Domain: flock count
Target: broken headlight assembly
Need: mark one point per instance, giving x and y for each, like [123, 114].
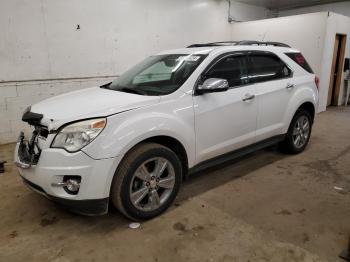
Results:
[75, 136]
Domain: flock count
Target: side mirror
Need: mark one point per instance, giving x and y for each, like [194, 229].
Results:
[212, 85]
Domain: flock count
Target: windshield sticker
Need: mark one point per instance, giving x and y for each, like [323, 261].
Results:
[188, 58]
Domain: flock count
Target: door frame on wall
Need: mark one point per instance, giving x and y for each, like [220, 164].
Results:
[336, 70]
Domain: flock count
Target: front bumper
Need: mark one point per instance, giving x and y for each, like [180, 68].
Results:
[91, 207]
[54, 164]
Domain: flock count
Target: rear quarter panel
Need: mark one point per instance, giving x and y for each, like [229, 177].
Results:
[305, 91]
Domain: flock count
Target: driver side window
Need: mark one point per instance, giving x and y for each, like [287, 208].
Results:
[230, 68]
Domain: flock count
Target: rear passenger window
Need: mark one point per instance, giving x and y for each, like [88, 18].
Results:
[231, 68]
[300, 60]
[266, 68]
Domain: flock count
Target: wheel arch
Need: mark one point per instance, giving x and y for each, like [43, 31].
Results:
[308, 106]
[170, 142]
[173, 144]
[305, 104]
[288, 145]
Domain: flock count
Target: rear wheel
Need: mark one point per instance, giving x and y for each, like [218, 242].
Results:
[299, 132]
[147, 181]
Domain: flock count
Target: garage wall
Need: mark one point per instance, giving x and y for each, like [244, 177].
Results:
[43, 51]
[15, 97]
[336, 24]
[339, 8]
[313, 34]
[241, 12]
[304, 32]
[41, 39]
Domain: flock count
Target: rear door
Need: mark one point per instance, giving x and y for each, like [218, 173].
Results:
[273, 86]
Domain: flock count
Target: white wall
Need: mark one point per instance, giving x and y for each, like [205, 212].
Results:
[43, 54]
[40, 40]
[304, 32]
[241, 12]
[339, 7]
[336, 24]
[16, 96]
[313, 34]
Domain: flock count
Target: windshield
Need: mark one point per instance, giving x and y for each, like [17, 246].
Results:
[157, 75]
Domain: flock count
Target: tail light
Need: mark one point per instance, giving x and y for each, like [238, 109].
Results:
[317, 82]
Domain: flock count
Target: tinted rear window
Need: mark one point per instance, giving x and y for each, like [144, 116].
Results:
[265, 67]
[300, 60]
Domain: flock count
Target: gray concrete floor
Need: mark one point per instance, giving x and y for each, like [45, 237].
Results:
[265, 207]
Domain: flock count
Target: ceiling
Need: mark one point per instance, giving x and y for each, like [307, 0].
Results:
[287, 4]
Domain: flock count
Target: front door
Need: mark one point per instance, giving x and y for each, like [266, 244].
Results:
[225, 121]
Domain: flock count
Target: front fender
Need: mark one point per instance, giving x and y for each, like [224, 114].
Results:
[124, 131]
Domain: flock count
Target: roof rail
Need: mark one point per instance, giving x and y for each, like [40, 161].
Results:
[262, 43]
[223, 43]
[277, 44]
[233, 43]
[226, 43]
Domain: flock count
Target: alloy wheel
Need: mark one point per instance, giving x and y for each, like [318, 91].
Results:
[301, 131]
[152, 184]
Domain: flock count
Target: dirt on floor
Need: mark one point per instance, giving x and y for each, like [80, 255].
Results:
[266, 206]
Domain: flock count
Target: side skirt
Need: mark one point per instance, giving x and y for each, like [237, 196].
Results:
[236, 154]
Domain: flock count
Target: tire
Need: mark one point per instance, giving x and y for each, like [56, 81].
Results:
[146, 182]
[290, 144]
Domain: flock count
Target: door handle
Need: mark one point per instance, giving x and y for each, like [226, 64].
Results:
[289, 86]
[248, 97]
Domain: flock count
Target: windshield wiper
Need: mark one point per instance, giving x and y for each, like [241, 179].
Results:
[106, 86]
[131, 90]
[124, 89]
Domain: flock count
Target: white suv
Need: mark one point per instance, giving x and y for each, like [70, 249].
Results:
[132, 141]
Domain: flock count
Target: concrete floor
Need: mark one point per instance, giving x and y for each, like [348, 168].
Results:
[264, 207]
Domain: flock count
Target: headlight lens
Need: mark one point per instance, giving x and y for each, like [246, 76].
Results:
[77, 135]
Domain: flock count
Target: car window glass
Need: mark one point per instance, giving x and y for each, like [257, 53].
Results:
[231, 68]
[157, 72]
[157, 75]
[300, 60]
[267, 67]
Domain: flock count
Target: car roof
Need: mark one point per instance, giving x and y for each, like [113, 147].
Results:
[205, 50]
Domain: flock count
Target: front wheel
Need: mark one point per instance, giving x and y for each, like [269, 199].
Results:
[147, 181]
[299, 132]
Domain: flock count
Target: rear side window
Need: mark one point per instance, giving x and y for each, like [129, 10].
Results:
[266, 67]
[300, 60]
[231, 68]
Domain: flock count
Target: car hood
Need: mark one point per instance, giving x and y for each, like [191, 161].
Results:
[88, 103]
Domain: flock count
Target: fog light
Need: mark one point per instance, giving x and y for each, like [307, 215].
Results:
[73, 185]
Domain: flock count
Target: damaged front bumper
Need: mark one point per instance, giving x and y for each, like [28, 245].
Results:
[28, 153]
[43, 168]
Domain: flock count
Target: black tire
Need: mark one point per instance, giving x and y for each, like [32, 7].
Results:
[288, 145]
[124, 177]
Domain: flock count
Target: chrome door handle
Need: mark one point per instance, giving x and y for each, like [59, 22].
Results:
[248, 97]
[290, 86]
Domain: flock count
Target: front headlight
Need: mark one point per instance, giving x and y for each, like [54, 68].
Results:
[75, 136]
